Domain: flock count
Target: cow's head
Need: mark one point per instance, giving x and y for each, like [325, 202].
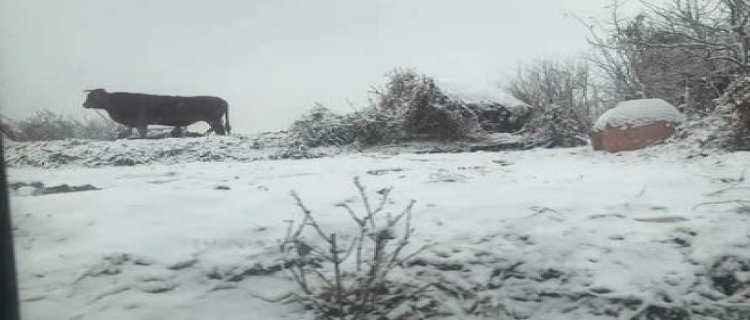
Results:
[97, 98]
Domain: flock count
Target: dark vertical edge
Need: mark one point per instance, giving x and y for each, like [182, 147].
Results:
[9, 308]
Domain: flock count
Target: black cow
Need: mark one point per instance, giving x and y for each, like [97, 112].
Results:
[137, 110]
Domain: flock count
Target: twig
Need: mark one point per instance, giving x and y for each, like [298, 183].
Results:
[282, 297]
[718, 192]
[403, 299]
[539, 210]
[360, 221]
[416, 252]
[328, 290]
[734, 185]
[744, 203]
[308, 218]
[365, 202]
[336, 271]
[642, 192]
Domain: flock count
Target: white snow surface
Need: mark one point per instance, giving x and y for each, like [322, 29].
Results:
[640, 112]
[159, 241]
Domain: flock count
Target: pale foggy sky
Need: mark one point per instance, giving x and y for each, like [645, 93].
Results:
[270, 59]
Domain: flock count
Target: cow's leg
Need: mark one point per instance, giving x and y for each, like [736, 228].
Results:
[125, 133]
[177, 132]
[211, 127]
[142, 130]
[218, 128]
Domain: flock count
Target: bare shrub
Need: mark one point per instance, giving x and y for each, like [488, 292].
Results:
[97, 129]
[350, 276]
[566, 99]
[46, 125]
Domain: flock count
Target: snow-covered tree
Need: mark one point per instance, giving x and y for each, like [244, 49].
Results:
[427, 112]
[682, 51]
[565, 98]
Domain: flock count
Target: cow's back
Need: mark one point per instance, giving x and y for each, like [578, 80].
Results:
[137, 109]
[131, 109]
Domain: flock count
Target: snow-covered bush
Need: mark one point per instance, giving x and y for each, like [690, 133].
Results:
[410, 106]
[556, 126]
[47, 125]
[320, 126]
[495, 117]
[565, 98]
[728, 126]
[350, 276]
[372, 126]
[734, 110]
[426, 111]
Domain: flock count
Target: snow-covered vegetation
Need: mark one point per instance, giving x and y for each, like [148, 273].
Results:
[468, 202]
[47, 125]
[415, 107]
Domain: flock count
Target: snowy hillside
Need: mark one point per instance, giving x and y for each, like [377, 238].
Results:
[539, 234]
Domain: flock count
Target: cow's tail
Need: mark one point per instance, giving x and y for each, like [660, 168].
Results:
[226, 120]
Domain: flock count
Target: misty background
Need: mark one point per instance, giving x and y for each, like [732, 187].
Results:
[271, 60]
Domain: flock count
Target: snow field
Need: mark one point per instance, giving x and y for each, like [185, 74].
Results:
[575, 232]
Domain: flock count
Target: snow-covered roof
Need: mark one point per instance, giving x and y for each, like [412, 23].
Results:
[481, 94]
[640, 112]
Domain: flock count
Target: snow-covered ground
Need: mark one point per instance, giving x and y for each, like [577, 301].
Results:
[538, 234]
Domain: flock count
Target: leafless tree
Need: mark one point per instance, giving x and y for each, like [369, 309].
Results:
[565, 97]
[550, 82]
[719, 27]
[684, 51]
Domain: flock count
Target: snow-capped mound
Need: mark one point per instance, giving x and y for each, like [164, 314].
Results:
[641, 112]
[483, 95]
